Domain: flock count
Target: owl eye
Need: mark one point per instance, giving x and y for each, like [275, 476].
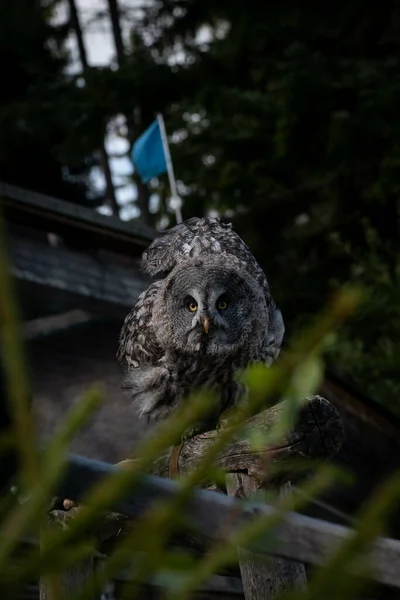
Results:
[222, 304]
[191, 304]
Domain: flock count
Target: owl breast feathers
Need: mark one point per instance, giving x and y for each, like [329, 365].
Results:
[209, 313]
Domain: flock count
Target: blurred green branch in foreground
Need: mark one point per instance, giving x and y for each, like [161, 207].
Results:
[147, 550]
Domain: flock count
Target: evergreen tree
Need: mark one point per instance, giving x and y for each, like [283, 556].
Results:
[39, 105]
[289, 122]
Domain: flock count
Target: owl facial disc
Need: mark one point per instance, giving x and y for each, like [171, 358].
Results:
[209, 309]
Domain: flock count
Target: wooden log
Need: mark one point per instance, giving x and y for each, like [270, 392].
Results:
[318, 434]
[264, 579]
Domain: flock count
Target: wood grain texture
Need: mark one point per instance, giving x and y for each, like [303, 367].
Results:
[69, 583]
[264, 579]
[317, 434]
[217, 516]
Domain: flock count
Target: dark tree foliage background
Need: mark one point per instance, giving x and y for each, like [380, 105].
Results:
[286, 121]
[40, 106]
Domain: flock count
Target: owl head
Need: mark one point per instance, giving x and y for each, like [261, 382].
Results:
[211, 308]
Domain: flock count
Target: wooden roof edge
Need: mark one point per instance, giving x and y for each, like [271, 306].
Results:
[372, 411]
[346, 383]
[74, 213]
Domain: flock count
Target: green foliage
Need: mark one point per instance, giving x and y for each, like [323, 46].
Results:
[369, 345]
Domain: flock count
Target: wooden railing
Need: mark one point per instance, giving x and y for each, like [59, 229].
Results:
[217, 516]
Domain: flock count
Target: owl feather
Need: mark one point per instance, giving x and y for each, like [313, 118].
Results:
[196, 237]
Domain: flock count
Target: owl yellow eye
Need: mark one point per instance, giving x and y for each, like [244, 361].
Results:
[222, 304]
[192, 306]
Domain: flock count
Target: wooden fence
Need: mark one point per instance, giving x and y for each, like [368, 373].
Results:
[298, 539]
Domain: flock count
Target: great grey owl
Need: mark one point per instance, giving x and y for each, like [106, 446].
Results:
[209, 314]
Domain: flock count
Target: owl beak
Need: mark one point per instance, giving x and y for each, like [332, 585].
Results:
[206, 324]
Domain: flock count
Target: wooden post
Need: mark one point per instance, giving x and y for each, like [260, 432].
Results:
[71, 581]
[68, 584]
[263, 580]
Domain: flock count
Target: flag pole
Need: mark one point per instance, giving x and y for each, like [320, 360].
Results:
[176, 201]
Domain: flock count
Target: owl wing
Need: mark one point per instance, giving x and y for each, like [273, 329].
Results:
[197, 237]
[138, 344]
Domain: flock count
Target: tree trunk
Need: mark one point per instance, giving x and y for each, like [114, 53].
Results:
[143, 194]
[104, 161]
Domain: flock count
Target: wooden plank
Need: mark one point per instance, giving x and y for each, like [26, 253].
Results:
[364, 409]
[217, 517]
[52, 324]
[216, 584]
[99, 277]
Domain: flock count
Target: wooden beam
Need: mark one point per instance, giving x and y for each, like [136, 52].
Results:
[102, 277]
[216, 584]
[367, 412]
[49, 325]
[217, 517]
[49, 210]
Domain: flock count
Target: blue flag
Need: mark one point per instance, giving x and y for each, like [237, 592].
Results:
[148, 153]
